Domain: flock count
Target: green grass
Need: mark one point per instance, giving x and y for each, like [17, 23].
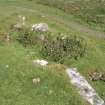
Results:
[16, 86]
[90, 13]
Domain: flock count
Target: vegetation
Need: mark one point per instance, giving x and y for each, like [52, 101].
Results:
[61, 47]
[54, 48]
[91, 11]
[17, 69]
[1, 36]
[27, 37]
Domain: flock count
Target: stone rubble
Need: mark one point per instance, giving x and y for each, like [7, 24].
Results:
[84, 88]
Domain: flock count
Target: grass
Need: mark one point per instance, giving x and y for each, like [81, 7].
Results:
[16, 86]
[90, 13]
[16, 81]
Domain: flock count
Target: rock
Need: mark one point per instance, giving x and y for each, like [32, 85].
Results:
[40, 27]
[35, 81]
[84, 88]
[40, 62]
[20, 23]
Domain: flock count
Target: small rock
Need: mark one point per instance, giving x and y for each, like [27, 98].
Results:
[40, 62]
[35, 81]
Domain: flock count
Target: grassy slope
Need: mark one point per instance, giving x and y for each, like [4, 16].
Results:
[16, 87]
[88, 12]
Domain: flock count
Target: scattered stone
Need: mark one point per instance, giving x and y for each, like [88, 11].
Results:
[40, 27]
[40, 62]
[35, 81]
[84, 88]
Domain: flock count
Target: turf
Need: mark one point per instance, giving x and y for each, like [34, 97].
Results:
[16, 86]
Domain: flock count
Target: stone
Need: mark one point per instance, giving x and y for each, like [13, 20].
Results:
[40, 62]
[20, 23]
[40, 27]
[7, 66]
[84, 88]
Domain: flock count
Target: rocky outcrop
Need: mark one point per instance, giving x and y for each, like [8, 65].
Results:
[84, 88]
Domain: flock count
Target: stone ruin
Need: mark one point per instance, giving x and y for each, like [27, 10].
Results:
[84, 88]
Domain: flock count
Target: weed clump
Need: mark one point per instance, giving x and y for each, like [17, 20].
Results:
[58, 48]
[91, 11]
[27, 37]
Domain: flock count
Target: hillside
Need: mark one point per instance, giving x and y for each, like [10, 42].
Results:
[17, 69]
